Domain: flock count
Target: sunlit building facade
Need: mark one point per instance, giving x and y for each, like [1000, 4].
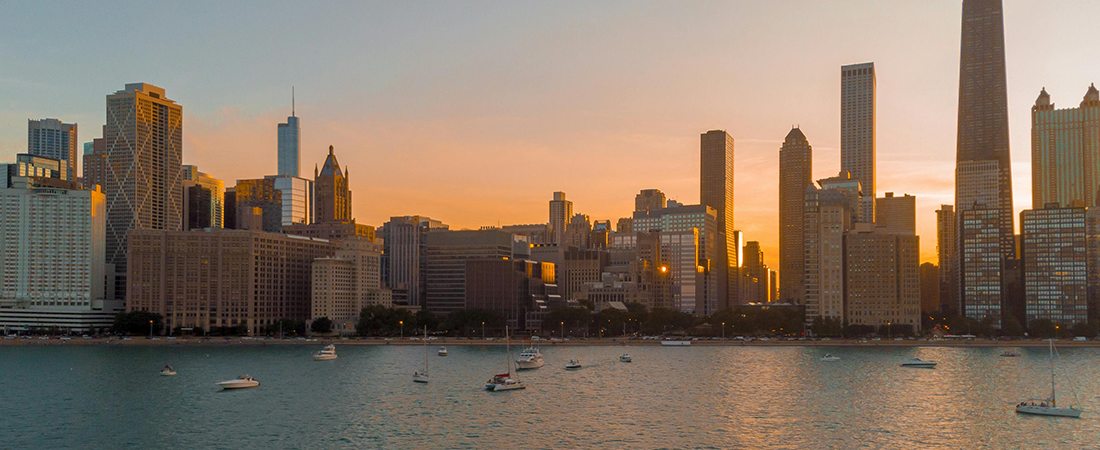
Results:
[795, 176]
[52, 138]
[716, 191]
[1065, 151]
[1055, 264]
[857, 130]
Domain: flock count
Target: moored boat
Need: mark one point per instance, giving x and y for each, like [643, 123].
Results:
[919, 363]
[573, 364]
[326, 354]
[530, 358]
[1049, 406]
[829, 357]
[241, 382]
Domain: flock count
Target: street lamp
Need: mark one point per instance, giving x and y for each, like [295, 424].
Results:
[402, 323]
[889, 332]
[723, 330]
[563, 329]
[483, 331]
[150, 329]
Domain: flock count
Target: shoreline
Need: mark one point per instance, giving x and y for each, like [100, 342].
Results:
[313, 342]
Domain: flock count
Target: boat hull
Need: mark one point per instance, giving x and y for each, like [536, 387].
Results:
[523, 364]
[830, 359]
[418, 378]
[167, 374]
[920, 365]
[508, 387]
[238, 385]
[1048, 411]
[324, 357]
[572, 367]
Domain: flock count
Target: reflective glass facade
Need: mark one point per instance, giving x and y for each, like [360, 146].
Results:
[1055, 265]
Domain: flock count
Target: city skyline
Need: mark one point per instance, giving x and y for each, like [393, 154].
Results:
[597, 125]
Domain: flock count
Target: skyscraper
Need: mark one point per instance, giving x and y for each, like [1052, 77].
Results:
[1055, 264]
[53, 139]
[649, 199]
[857, 130]
[1065, 151]
[403, 256]
[795, 175]
[983, 108]
[290, 142]
[204, 198]
[561, 210]
[333, 197]
[945, 250]
[144, 145]
[828, 216]
[897, 215]
[882, 279]
[94, 172]
[716, 191]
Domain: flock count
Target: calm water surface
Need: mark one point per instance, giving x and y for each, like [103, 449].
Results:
[695, 397]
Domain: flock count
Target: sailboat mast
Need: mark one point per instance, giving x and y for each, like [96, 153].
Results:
[425, 349]
[1052, 401]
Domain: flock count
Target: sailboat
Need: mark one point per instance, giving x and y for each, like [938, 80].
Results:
[1049, 406]
[422, 377]
[504, 381]
[626, 356]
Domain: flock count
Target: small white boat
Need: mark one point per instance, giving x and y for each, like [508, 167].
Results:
[829, 357]
[420, 377]
[530, 358]
[167, 371]
[242, 382]
[326, 354]
[573, 364]
[1049, 406]
[442, 351]
[675, 343]
[503, 382]
[917, 362]
[625, 358]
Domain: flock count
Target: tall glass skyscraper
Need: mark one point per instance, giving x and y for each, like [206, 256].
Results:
[716, 191]
[53, 139]
[290, 143]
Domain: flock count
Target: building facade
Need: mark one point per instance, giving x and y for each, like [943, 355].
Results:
[333, 197]
[896, 215]
[561, 210]
[1065, 151]
[403, 256]
[857, 130]
[445, 259]
[347, 282]
[94, 171]
[716, 191]
[52, 138]
[882, 279]
[207, 207]
[1055, 257]
[289, 145]
[795, 176]
[945, 253]
[828, 217]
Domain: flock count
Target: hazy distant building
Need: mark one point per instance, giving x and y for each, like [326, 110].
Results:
[333, 231]
[333, 198]
[983, 110]
[795, 175]
[827, 217]
[347, 282]
[404, 249]
[144, 141]
[649, 199]
[716, 191]
[896, 215]
[445, 259]
[282, 200]
[1092, 249]
[290, 143]
[580, 267]
[1065, 151]
[882, 278]
[1055, 264]
[537, 233]
[52, 248]
[755, 280]
[945, 251]
[685, 243]
[929, 288]
[561, 210]
[857, 130]
[851, 187]
[94, 171]
[624, 225]
[221, 278]
[577, 231]
[53, 139]
[520, 290]
[204, 199]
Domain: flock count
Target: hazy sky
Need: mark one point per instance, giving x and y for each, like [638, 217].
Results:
[475, 112]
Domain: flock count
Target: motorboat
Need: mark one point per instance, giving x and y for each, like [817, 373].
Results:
[829, 357]
[1009, 354]
[920, 363]
[442, 351]
[675, 343]
[422, 376]
[625, 358]
[241, 382]
[1049, 406]
[573, 364]
[326, 354]
[504, 381]
[167, 371]
[530, 358]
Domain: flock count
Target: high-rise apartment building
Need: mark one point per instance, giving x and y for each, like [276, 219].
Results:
[716, 191]
[144, 145]
[1065, 151]
[649, 199]
[945, 252]
[1055, 264]
[561, 210]
[795, 176]
[333, 196]
[851, 187]
[204, 199]
[222, 278]
[857, 130]
[347, 282]
[52, 138]
[290, 143]
[983, 110]
[981, 264]
[882, 278]
[827, 217]
[404, 249]
[94, 171]
[896, 215]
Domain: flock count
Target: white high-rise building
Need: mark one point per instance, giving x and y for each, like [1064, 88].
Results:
[857, 130]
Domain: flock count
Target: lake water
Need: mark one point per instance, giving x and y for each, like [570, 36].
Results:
[692, 397]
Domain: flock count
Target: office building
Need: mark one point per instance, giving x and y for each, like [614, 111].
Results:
[347, 282]
[716, 191]
[896, 215]
[945, 253]
[857, 130]
[42, 171]
[929, 289]
[290, 143]
[795, 176]
[333, 196]
[404, 250]
[754, 285]
[649, 199]
[333, 231]
[204, 199]
[579, 268]
[52, 253]
[222, 278]
[981, 264]
[445, 259]
[144, 142]
[983, 110]
[577, 232]
[520, 290]
[851, 188]
[94, 172]
[1055, 264]
[282, 200]
[561, 210]
[827, 218]
[686, 244]
[53, 139]
[1065, 151]
[882, 278]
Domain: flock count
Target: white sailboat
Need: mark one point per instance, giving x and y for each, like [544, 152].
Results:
[326, 354]
[422, 377]
[504, 381]
[626, 356]
[1049, 406]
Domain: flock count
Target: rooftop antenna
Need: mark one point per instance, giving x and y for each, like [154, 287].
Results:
[292, 101]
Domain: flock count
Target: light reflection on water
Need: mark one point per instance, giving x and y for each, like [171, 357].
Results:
[696, 397]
